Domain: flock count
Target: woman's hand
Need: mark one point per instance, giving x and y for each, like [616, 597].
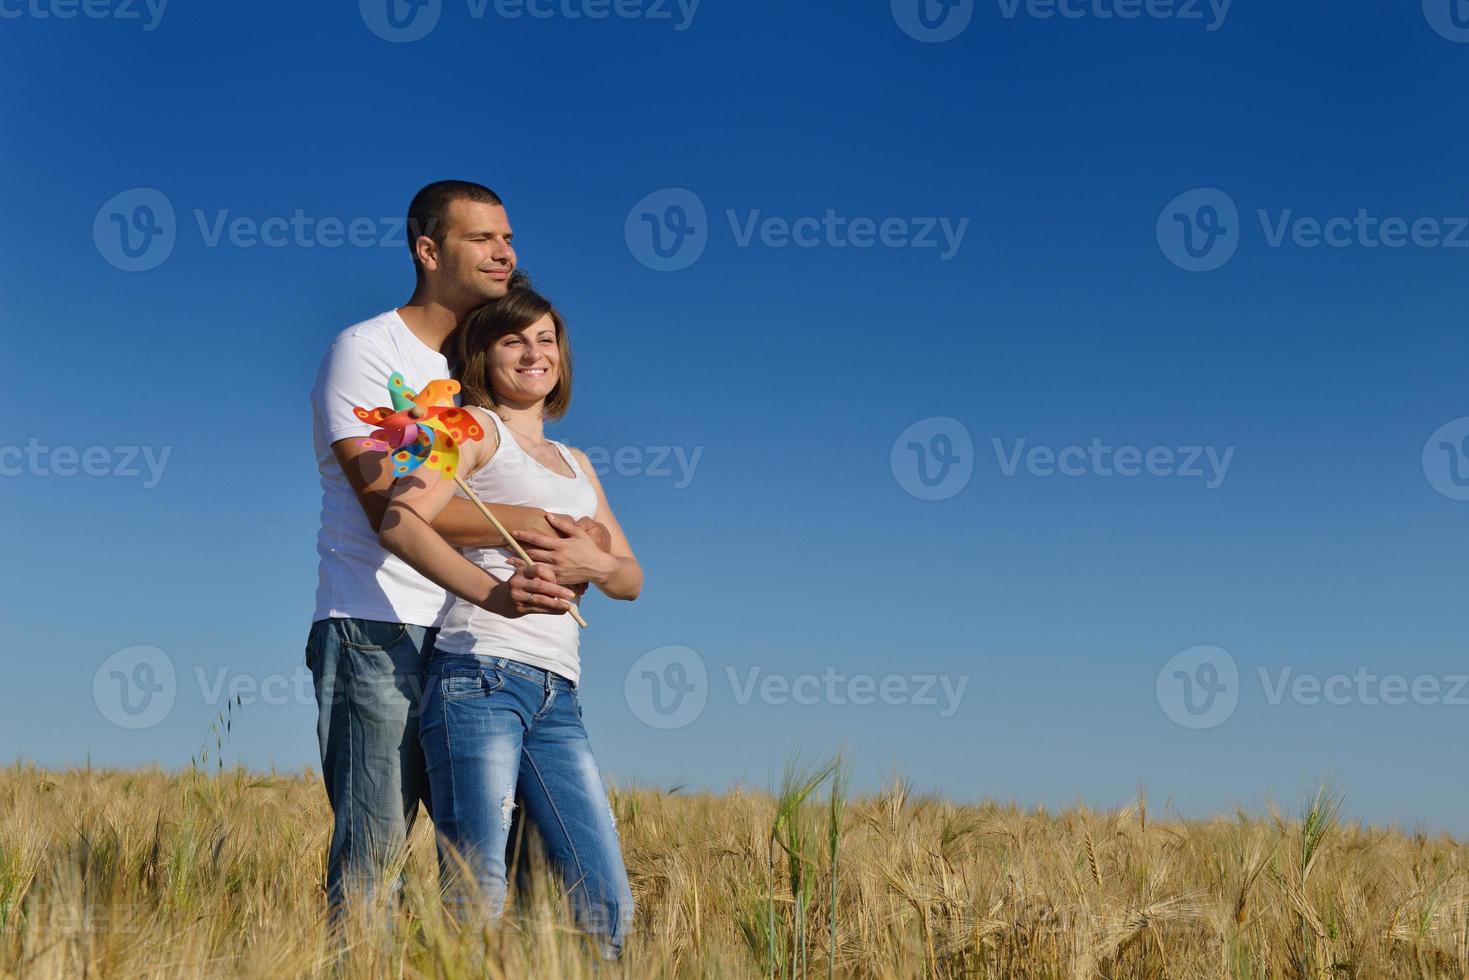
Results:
[572, 553]
[531, 590]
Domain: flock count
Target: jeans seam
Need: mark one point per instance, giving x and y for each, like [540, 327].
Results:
[349, 804]
[581, 874]
[444, 705]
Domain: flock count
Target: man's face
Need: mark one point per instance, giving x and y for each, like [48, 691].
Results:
[476, 259]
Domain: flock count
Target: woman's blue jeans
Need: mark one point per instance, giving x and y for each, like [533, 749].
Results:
[495, 733]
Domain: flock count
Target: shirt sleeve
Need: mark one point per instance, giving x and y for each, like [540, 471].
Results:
[353, 374]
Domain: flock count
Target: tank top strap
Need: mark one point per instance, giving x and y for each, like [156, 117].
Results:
[570, 459]
[501, 428]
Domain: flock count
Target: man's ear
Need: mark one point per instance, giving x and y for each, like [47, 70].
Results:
[427, 251]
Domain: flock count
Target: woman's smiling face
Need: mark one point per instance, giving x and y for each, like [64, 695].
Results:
[526, 366]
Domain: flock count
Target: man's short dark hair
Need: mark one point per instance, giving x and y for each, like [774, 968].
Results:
[428, 214]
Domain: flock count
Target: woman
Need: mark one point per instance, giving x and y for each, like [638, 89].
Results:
[501, 717]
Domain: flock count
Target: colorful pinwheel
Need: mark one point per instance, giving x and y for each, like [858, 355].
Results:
[421, 429]
[426, 428]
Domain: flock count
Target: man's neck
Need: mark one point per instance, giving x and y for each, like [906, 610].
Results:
[430, 320]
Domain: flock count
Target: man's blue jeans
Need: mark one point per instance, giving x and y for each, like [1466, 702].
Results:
[496, 734]
[369, 682]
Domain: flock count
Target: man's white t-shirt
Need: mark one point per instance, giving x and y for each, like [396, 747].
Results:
[356, 578]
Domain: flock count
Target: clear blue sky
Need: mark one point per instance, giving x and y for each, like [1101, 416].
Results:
[795, 549]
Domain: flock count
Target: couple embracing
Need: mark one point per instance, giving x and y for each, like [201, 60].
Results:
[446, 670]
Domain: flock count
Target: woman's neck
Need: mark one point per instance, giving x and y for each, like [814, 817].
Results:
[527, 421]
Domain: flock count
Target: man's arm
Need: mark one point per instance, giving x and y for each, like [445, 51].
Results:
[460, 524]
[407, 531]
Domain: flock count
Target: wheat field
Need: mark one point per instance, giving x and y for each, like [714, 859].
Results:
[153, 874]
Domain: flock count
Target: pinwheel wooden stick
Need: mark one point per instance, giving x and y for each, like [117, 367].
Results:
[425, 429]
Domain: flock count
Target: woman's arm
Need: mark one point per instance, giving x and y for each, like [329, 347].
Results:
[574, 555]
[407, 531]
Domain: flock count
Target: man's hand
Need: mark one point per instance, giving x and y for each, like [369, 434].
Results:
[572, 553]
[531, 590]
[602, 537]
[599, 533]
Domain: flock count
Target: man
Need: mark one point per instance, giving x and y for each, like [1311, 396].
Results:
[376, 618]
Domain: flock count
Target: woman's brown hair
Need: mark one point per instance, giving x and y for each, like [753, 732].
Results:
[482, 329]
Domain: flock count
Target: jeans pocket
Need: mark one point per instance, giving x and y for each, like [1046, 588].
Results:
[461, 683]
[370, 634]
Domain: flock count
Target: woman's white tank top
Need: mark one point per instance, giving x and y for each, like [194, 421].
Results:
[546, 641]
